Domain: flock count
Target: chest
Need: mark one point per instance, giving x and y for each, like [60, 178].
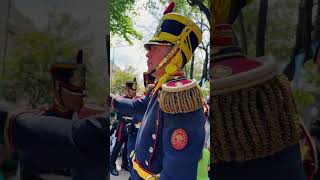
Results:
[149, 139]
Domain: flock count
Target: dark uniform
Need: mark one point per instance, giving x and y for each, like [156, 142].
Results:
[171, 138]
[134, 126]
[49, 139]
[124, 122]
[253, 114]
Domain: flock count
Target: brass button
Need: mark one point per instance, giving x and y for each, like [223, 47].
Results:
[154, 136]
[151, 150]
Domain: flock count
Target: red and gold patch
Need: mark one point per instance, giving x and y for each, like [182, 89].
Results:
[179, 139]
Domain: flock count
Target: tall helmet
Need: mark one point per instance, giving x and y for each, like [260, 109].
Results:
[70, 75]
[180, 32]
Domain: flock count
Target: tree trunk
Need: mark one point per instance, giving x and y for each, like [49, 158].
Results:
[303, 36]
[201, 6]
[191, 67]
[317, 24]
[205, 67]
[261, 28]
[243, 35]
[308, 29]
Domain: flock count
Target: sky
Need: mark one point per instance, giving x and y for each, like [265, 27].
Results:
[124, 55]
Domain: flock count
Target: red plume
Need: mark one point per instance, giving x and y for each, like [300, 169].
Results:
[170, 8]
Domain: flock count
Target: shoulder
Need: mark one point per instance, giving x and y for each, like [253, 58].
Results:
[180, 96]
[240, 73]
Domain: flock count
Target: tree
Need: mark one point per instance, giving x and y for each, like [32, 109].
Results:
[302, 49]
[120, 19]
[280, 30]
[28, 78]
[243, 35]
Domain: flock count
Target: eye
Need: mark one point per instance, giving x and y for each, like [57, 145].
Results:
[154, 48]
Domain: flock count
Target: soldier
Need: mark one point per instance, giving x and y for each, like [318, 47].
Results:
[171, 137]
[134, 126]
[69, 90]
[122, 133]
[253, 115]
[48, 139]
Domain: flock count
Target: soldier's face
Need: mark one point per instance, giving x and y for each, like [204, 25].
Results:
[130, 92]
[155, 55]
[72, 102]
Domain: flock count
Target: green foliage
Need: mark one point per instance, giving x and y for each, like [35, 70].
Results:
[205, 89]
[309, 86]
[197, 69]
[96, 85]
[27, 76]
[311, 76]
[303, 99]
[28, 68]
[182, 7]
[120, 19]
[281, 28]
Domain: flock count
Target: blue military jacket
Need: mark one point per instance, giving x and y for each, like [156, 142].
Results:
[57, 142]
[154, 151]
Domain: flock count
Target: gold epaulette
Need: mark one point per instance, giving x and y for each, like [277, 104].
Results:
[181, 96]
[253, 113]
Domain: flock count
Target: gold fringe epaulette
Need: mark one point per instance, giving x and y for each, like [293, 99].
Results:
[253, 115]
[181, 96]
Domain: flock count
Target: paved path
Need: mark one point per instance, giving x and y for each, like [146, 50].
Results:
[123, 174]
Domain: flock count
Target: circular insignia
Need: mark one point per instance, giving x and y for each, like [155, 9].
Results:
[179, 139]
[220, 71]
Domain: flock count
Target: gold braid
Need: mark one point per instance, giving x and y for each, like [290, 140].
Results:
[249, 124]
[181, 102]
[218, 146]
[243, 143]
[274, 119]
[253, 122]
[261, 133]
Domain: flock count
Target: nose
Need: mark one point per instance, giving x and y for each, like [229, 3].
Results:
[148, 55]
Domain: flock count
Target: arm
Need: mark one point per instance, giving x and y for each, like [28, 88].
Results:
[131, 106]
[58, 142]
[183, 140]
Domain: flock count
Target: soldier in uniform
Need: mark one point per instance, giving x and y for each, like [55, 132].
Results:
[171, 137]
[254, 120]
[134, 126]
[122, 133]
[68, 93]
[47, 138]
